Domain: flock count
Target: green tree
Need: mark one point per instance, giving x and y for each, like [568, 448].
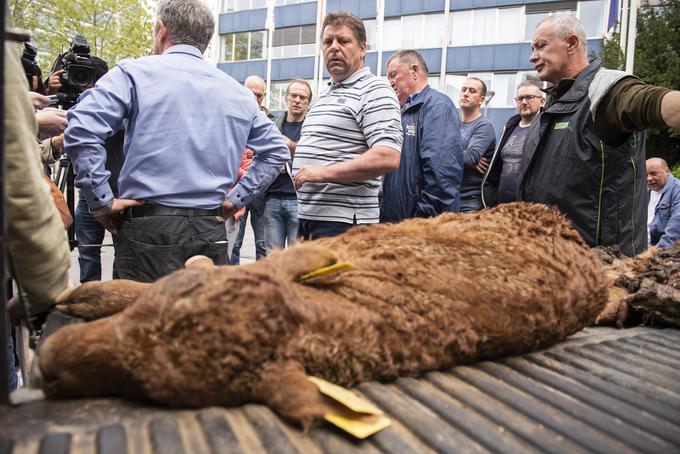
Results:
[657, 62]
[114, 29]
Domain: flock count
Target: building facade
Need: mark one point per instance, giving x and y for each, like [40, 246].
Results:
[488, 39]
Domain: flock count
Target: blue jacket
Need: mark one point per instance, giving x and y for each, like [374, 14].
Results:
[664, 230]
[427, 181]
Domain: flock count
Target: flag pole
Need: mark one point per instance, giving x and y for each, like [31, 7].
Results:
[270, 26]
[380, 20]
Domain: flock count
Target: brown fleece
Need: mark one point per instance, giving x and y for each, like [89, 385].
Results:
[422, 295]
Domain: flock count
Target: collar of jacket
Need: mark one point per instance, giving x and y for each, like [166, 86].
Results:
[576, 89]
[183, 49]
[422, 96]
[669, 184]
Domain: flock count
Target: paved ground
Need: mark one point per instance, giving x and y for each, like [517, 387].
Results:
[247, 256]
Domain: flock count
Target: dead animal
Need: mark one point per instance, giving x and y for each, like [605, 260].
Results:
[421, 295]
[642, 290]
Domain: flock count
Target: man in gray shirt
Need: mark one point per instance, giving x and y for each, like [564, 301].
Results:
[500, 182]
[351, 136]
[479, 141]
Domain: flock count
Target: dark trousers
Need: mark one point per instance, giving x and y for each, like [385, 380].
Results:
[150, 247]
[257, 223]
[311, 230]
[469, 204]
[88, 232]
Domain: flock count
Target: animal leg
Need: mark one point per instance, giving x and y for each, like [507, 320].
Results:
[286, 389]
[93, 300]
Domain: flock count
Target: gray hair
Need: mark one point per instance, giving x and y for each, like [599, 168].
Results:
[565, 25]
[255, 80]
[409, 57]
[188, 22]
[531, 83]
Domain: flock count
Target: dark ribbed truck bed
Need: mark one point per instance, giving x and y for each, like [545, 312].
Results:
[601, 390]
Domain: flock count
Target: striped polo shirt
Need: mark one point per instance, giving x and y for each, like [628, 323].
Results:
[344, 121]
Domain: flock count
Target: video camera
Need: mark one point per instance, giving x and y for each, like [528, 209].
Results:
[80, 70]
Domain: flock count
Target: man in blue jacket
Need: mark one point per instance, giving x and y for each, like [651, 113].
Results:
[427, 181]
[664, 204]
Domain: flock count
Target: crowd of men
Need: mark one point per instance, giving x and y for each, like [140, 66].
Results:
[199, 149]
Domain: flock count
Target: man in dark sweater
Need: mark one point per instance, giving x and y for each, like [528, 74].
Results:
[280, 208]
[479, 141]
[500, 182]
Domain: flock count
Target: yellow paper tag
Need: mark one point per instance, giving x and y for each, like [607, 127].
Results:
[349, 411]
[361, 427]
[334, 268]
[346, 397]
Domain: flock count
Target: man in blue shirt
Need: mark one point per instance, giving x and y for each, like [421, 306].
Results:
[664, 204]
[187, 124]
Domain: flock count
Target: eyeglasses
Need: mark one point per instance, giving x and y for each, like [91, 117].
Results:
[296, 96]
[526, 98]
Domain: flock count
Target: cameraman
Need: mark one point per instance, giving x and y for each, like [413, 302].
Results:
[89, 233]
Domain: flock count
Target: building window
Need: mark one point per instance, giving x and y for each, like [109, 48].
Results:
[536, 12]
[277, 94]
[294, 41]
[229, 6]
[420, 31]
[370, 26]
[244, 46]
[503, 85]
[591, 15]
[486, 26]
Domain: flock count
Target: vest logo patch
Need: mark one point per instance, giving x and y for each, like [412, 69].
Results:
[411, 129]
[561, 125]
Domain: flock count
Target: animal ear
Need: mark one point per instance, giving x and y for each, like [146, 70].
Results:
[286, 389]
[303, 259]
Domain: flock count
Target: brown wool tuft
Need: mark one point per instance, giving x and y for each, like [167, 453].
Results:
[422, 295]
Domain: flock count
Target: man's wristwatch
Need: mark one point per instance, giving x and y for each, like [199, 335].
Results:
[105, 209]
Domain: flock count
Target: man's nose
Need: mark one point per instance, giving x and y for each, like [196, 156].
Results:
[534, 55]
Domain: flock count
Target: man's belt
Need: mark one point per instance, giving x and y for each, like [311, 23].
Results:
[150, 209]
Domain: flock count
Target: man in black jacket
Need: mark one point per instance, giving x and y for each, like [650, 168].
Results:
[583, 154]
[500, 182]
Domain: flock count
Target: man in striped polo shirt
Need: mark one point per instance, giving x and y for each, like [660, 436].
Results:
[351, 136]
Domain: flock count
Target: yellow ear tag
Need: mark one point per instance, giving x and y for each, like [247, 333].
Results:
[334, 268]
[351, 412]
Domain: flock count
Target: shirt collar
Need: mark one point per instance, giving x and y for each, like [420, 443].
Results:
[353, 77]
[183, 49]
[412, 98]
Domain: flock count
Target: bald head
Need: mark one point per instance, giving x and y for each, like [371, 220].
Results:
[657, 173]
[257, 86]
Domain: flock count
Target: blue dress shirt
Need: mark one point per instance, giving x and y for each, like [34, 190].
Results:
[187, 124]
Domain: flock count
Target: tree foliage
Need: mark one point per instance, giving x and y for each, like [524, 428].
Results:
[114, 29]
[657, 62]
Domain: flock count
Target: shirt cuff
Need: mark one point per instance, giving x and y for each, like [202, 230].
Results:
[238, 196]
[99, 196]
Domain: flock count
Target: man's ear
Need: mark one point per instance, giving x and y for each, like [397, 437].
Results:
[572, 44]
[161, 30]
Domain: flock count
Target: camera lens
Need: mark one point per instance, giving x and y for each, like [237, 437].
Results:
[80, 75]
